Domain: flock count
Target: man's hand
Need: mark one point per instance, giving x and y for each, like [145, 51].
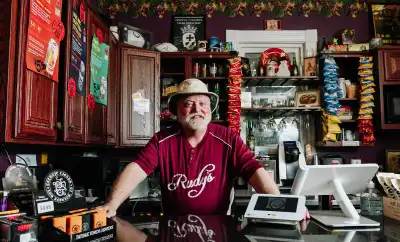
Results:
[306, 215]
[111, 211]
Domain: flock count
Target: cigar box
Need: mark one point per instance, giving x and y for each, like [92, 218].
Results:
[18, 228]
[391, 208]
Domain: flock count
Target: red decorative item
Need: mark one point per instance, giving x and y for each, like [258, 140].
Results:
[90, 102]
[276, 53]
[99, 35]
[58, 29]
[82, 12]
[71, 87]
[234, 101]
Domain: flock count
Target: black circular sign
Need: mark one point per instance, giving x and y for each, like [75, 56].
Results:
[59, 186]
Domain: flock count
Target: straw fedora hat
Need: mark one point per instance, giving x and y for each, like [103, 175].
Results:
[191, 86]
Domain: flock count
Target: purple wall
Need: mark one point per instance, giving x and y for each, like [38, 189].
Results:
[217, 25]
[219, 22]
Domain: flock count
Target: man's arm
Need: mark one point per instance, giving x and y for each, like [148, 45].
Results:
[130, 177]
[262, 182]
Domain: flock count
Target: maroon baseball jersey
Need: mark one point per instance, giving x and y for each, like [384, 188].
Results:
[197, 180]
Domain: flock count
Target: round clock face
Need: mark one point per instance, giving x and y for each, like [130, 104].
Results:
[59, 186]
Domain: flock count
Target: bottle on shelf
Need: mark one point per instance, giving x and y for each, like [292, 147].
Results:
[204, 70]
[250, 139]
[371, 201]
[213, 70]
[253, 69]
[216, 115]
[295, 68]
[196, 69]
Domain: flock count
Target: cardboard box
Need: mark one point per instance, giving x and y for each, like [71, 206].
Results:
[391, 208]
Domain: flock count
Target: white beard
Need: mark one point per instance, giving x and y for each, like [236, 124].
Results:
[196, 123]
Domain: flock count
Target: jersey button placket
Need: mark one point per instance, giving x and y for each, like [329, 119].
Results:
[192, 155]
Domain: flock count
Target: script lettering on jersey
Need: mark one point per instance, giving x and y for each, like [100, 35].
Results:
[205, 176]
[195, 225]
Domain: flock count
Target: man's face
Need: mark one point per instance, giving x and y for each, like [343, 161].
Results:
[194, 111]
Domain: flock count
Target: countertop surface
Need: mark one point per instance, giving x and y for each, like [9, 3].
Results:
[226, 228]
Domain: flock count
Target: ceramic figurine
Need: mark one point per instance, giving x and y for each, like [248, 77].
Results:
[283, 69]
[202, 46]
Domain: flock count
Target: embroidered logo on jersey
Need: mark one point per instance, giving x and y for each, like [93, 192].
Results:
[205, 176]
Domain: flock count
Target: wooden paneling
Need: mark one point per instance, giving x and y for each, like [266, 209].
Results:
[36, 95]
[95, 120]
[140, 74]
[392, 65]
[74, 107]
[113, 93]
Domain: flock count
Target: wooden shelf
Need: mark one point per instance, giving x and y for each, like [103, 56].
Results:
[174, 120]
[212, 78]
[280, 80]
[195, 55]
[349, 121]
[339, 144]
[346, 54]
[283, 111]
[348, 99]
[172, 74]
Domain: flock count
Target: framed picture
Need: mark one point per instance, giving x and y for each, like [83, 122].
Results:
[187, 31]
[310, 66]
[384, 17]
[272, 24]
[309, 98]
[392, 161]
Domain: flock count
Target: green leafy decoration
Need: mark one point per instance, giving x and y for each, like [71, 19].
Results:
[232, 8]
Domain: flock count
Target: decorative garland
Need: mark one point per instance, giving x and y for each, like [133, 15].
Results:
[232, 8]
[234, 91]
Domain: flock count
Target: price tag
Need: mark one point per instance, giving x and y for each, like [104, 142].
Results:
[45, 207]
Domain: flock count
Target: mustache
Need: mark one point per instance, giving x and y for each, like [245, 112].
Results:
[192, 115]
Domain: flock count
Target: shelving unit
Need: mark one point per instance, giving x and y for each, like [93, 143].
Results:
[284, 111]
[339, 144]
[179, 66]
[346, 54]
[280, 81]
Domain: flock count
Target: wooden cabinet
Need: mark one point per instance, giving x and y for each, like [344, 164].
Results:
[73, 109]
[140, 76]
[96, 119]
[113, 93]
[30, 100]
[392, 65]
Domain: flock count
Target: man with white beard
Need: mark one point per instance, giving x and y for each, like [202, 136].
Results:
[198, 160]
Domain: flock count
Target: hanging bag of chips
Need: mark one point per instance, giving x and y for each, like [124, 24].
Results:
[234, 91]
[367, 86]
[332, 93]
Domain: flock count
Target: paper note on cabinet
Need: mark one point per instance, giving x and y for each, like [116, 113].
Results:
[141, 105]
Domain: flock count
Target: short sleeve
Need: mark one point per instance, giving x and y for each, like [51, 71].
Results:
[245, 164]
[147, 158]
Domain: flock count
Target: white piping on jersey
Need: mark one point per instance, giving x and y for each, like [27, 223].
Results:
[172, 135]
[220, 139]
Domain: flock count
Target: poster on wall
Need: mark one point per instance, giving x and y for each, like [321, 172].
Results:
[78, 50]
[386, 20]
[45, 31]
[187, 31]
[99, 70]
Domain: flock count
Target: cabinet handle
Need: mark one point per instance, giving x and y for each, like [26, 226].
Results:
[71, 127]
[58, 126]
[109, 135]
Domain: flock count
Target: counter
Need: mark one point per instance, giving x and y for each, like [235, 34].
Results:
[226, 228]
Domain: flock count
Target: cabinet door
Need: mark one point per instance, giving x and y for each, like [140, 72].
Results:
[392, 65]
[36, 96]
[140, 75]
[74, 107]
[95, 119]
[113, 87]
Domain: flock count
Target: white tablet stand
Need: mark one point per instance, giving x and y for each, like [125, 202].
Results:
[336, 180]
